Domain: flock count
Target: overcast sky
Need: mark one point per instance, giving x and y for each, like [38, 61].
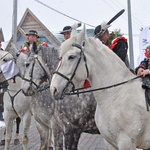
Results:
[92, 12]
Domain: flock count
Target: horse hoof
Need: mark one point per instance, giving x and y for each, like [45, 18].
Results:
[2, 142]
[50, 148]
[16, 142]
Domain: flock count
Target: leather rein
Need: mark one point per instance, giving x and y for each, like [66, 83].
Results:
[82, 90]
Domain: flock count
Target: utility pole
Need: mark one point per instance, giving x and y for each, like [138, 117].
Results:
[130, 35]
[14, 22]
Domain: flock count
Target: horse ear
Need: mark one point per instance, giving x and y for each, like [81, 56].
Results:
[13, 50]
[82, 35]
[74, 28]
[13, 47]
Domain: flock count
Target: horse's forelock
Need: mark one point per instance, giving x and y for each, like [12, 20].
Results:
[65, 46]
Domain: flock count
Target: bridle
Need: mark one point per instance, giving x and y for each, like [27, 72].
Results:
[4, 83]
[74, 72]
[46, 76]
[78, 91]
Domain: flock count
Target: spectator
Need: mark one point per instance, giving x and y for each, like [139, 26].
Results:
[143, 70]
[32, 36]
[66, 32]
[118, 45]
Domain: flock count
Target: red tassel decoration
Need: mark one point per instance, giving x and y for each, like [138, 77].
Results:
[14, 80]
[86, 84]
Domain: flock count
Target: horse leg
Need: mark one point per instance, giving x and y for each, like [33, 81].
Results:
[44, 135]
[9, 128]
[125, 142]
[72, 138]
[2, 142]
[16, 140]
[50, 140]
[58, 137]
[26, 120]
[109, 146]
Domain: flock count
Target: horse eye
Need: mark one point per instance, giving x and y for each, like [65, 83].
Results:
[5, 60]
[71, 57]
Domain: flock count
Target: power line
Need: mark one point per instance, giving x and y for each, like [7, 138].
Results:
[139, 22]
[63, 13]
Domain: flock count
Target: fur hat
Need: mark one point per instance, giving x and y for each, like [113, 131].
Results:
[66, 29]
[32, 32]
[100, 29]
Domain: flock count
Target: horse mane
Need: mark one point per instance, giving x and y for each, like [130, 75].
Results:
[66, 45]
[105, 50]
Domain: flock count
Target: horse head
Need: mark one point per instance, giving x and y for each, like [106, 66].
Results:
[78, 57]
[14, 60]
[6, 56]
[72, 69]
[20, 59]
[36, 72]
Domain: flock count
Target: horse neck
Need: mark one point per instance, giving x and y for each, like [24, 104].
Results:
[15, 84]
[5, 54]
[108, 68]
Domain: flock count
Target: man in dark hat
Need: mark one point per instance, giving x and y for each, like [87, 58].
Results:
[32, 36]
[66, 32]
[118, 45]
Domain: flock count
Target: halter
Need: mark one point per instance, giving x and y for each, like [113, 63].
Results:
[4, 84]
[31, 75]
[74, 72]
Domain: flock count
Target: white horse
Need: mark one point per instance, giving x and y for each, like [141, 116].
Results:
[4, 58]
[121, 115]
[15, 103]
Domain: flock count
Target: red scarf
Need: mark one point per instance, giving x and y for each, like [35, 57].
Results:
[115, 42]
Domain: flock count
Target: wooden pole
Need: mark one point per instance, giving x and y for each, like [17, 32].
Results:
[130, 36]
[14, 22]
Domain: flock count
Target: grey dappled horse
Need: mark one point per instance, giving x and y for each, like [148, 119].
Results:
[26, 106]
[74, 115]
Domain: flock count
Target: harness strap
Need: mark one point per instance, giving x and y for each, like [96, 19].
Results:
[69, 80]
[12, 100]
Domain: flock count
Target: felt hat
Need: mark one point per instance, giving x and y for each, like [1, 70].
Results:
[66, 29]
[100, 29]
[32, 32]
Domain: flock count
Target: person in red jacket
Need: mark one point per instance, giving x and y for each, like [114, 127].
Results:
[32, 36]
[143, 69]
